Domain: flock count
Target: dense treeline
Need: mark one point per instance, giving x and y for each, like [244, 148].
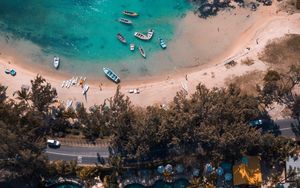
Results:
[210, 125]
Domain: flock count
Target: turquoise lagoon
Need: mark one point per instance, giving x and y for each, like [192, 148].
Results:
[83, 32]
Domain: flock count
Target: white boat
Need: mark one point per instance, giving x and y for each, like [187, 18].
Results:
[63, 84]
[142, 51]
[76, 80]
[132, 46]
[110, 74]
[141, 36]
[56, 62]
[185, 87]
[85, 89]
[162, 43]
[125, 21]
[69, 103]
[150, 33]
[121, 38]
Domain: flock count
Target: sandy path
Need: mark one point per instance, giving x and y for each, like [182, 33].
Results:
[264, 25]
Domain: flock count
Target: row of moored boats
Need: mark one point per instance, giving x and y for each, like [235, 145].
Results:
[108, 72]
[139, 35]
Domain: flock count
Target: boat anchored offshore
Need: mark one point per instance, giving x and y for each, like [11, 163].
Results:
[141, 36]
[121, 38]
[125, 21]
[142, 52]
[150, 33]
[132, 46]
[56, 62]
[110, 74]
[130, 13]
[162, 43]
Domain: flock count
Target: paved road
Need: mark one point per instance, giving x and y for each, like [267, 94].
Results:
[88, 155]
[285, 127]
[83, 155]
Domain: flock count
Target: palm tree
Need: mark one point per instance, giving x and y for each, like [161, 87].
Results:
[23, 95]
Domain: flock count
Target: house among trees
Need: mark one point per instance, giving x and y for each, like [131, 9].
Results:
[292, 172]
[248, 173]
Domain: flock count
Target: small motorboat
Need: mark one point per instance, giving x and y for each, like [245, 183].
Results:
[85, 89]
[13, 72]
[56, 62]
[142, 52]
[132, 46]
[141, 36]
[111, 75]
[130, 13]
[150, 33]
[121, 38]
[162, 43]
[125, 21]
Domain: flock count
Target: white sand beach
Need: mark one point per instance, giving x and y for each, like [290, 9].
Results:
[209, 43]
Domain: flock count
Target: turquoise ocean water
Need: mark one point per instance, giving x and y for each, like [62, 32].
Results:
[83, 32]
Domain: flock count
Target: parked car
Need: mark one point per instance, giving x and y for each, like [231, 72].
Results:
[265, 124]
[53, 143]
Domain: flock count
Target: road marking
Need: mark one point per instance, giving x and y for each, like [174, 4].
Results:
[74, 155]
[283, 129]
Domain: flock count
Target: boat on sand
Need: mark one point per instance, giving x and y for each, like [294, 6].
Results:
[121, 38]
[130, 13]
[141, 36]
[85, 89]
[142, 51]
[56, 62]
[125, 21]
[111, 75]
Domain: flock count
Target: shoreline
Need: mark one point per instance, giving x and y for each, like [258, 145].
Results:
[159, 89]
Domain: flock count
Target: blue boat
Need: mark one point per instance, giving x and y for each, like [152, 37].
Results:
[162, 43]
[110, 74]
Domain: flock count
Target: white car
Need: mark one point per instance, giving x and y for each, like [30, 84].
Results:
[53, 143]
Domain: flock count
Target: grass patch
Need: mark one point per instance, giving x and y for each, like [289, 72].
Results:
[248, 61]
[282, 52]
[247, 82]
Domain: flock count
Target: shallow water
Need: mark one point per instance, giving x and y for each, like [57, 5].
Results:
[83, 33]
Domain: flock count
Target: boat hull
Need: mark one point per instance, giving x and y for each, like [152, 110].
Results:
[129, 13]
[111, 75]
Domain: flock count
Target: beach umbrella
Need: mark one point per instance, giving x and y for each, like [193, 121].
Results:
[168, 168]
[208, 168]
[161, 169]
[220, 171]
[228, 177]
[179, 168]
[196, 172]
[245, 160]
